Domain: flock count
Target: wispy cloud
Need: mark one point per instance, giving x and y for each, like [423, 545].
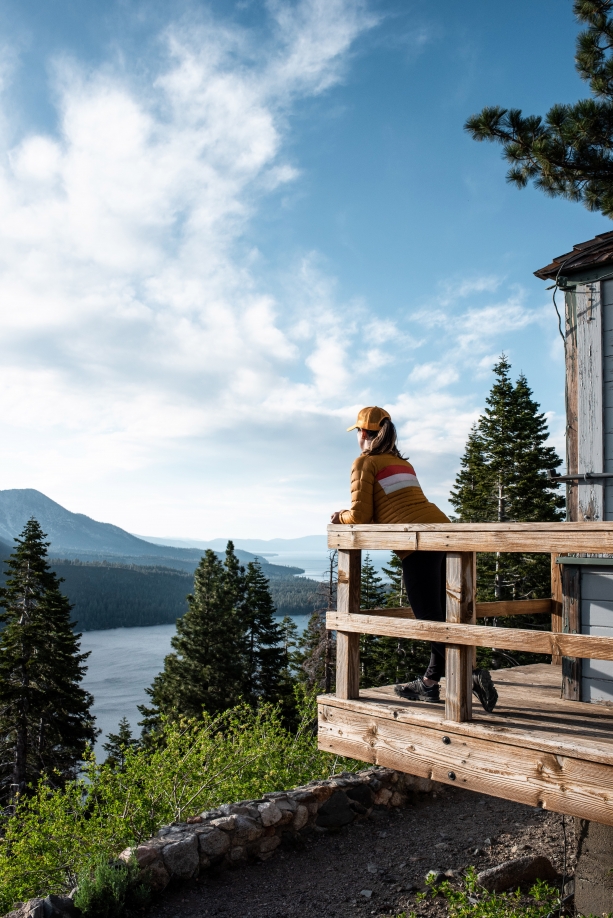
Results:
[145, 352]
[128, 303]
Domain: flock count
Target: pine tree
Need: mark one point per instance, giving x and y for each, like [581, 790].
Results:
[569, 152]
[503, 477]
[118, 744]
[372, 596]
[266, 656]
[288, 680]
[400, 660]
[317, 647]
[235, 580]
[207, 670]
[396, 594]
[289, 644]
[45, 715]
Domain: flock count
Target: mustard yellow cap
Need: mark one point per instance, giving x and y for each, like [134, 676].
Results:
[370, 419]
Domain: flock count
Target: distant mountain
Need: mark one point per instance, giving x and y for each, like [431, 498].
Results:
[76, 536]
[116, 579]
[258, 546]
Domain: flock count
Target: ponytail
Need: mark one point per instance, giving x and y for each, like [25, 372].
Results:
[384, 440]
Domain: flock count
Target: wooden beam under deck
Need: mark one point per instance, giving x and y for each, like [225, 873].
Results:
[535, 748]
[464, 537]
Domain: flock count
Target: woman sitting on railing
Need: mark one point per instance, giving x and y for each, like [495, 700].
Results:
[385, 489]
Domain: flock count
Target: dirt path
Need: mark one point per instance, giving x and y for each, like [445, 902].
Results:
[389, 855]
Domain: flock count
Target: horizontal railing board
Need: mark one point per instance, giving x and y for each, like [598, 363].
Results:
[507, 537]
[567, 645]
[513, 607]
[484, 609]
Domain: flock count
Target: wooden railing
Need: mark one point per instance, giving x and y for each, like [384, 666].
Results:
[460, 632]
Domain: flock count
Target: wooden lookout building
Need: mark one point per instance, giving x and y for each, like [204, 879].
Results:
[549, 742]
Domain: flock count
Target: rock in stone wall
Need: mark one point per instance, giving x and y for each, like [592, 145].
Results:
[253, 829]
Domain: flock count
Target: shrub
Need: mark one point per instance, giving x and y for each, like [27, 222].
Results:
[56, 834]
[111, 889]
[472, 901]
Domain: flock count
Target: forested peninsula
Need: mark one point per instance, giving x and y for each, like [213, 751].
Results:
[106, 595]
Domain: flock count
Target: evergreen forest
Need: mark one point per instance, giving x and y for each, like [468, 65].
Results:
[107, 595]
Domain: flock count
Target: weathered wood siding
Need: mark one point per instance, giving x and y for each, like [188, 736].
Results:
[594, 500]
[597, 618]
[590, 456]
[607, 366]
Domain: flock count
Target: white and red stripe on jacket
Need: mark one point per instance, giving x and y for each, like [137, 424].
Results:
[395, 477]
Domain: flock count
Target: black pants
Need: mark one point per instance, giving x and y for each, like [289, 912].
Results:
[424, 575]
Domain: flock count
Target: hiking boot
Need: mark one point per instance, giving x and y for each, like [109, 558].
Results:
[484, 689]
[418, 691]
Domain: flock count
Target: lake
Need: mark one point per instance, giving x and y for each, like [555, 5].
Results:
[123, 663]
[316, 564]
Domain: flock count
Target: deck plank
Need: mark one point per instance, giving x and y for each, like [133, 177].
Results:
[530, 714]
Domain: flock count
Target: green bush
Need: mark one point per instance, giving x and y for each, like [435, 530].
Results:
[473, 901]
[111, 889]
[56, 835]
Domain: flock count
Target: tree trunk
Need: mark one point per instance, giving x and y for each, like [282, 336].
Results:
[21, 751]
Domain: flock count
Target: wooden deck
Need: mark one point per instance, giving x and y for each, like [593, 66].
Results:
[536, 748]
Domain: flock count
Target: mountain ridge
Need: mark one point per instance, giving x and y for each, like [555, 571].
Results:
[257, 546]
[77, 536]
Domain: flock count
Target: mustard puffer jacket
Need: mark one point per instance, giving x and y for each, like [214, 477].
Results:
[385, 489]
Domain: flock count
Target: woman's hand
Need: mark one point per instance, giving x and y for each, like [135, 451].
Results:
[336, 516]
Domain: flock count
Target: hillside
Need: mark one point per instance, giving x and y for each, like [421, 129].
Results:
[114, 579]
[114, 596]
[79, 537]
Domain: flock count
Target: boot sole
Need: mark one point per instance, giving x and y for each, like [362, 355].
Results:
[486, 692]
[414, 696]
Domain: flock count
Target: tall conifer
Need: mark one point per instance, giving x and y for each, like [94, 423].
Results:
[118, 744]
[317, 647]
[396, 594]
[45, 714]
[372, 596]
[206, 671]
[265, 651]
[503, 477]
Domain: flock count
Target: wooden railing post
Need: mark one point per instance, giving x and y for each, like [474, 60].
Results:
[571, 624]
[556, 603]
[348, 643]
[461, 608]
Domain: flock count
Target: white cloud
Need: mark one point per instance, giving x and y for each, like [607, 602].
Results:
[119, 274]
[143, 359]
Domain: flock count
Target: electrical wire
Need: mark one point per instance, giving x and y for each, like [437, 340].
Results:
[555, 306]
[556, 286]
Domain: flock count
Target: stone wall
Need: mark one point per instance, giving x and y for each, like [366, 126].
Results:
[253, 829]
[236, 833]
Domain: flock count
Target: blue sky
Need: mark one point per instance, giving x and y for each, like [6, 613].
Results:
[226, 226]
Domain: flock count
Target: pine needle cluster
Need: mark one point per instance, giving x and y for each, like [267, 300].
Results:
[569, 152]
